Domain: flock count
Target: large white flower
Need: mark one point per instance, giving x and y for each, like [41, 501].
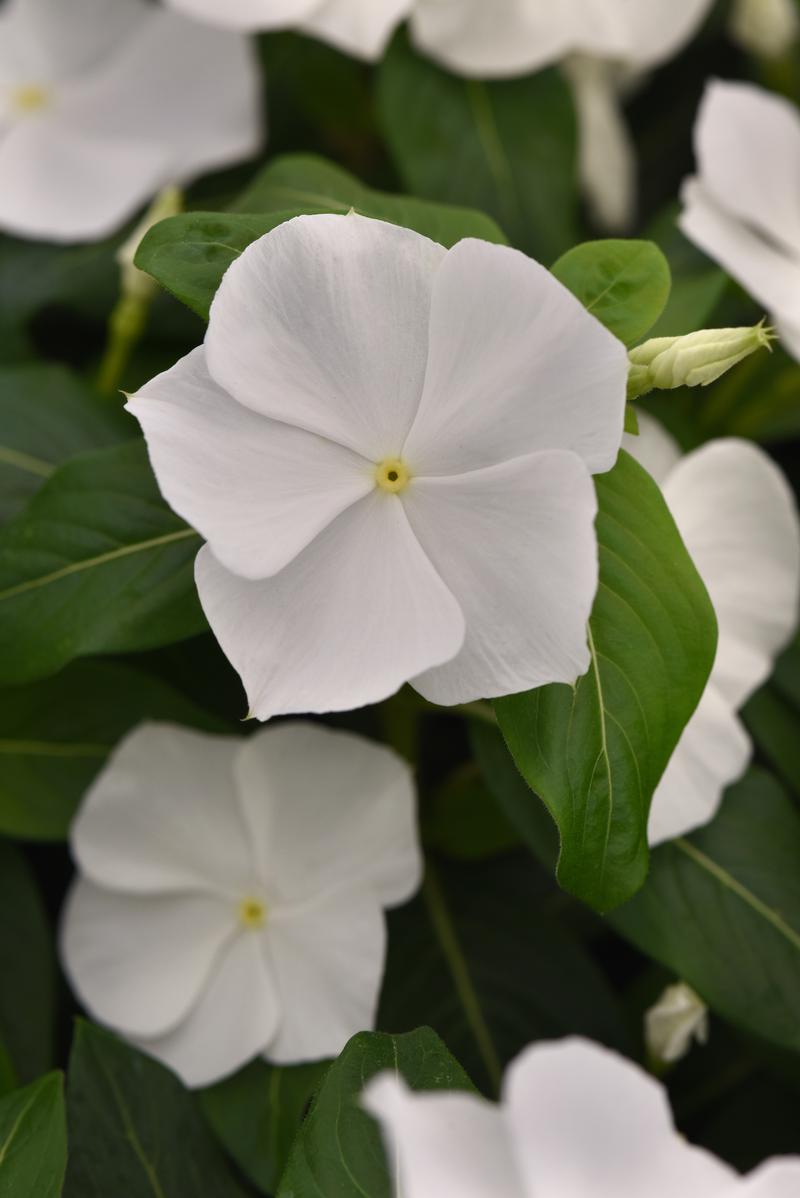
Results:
[231, 892]
[360, 27]
[575, 1121]
[388, 447]
[743, 208]
[104, 102]
[738, 519]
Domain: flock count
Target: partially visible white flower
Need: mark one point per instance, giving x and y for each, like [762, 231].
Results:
[360, 27]
[575, 1121]
[135, 283]
[738, 519]
[679, 1017]
[743, 207]
[388, 447]
[768, 28]
[104, 102]
[231, 892]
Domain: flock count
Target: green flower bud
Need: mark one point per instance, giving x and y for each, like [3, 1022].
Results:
[694, 360]
[135, 283]
[766, 28]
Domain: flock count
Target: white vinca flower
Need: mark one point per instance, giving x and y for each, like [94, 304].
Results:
[359, 27]
[388, 447]
[575, 1121]
[231, 892]
[738, 519]
[743, 208]
[105, 102]
[604, 45]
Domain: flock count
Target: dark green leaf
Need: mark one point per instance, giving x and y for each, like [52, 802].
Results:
[721, 909]
[258, 1112]
[27, 969]
[772, 717]
[338, 1152]
[507, 148]
[189, 254]
[478, 956]
[697, 283]
[33, 1140]
[56, 734]
[463, 821]
[96, 563]
[47, 416]
[625, 284]
[595, 751]
[134, 1130]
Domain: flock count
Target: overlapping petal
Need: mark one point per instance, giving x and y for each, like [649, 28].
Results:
[139, 962]
[248, 14]
[516, 545]
[163, 816]
[345, 624]
[47, 40]
[328, 811]
[360, 27]
[516, 365]
[776, 1179]
[257, 489]
[323, 323]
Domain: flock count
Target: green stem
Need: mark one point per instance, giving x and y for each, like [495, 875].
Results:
[125, 328]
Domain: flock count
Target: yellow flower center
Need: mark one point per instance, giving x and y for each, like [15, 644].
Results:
[252, 912]
[392, 475]
[30, 97]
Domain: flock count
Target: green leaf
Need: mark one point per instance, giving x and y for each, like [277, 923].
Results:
[257, 1113]
[47, 416]
[134, 1130]
[596, 751]
[27, 969]
[461, 819]
[33, 1140]
[625, 284]
[772, 717]
[721, 909]
[479, 957]
[56, 734]
[96, 563]
[698, 284]
[507, 148]
[189, 254]
[339, 1151]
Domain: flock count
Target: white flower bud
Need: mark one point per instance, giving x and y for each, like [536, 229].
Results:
[766, 28]
[135, 283]
[679, 1017]
[694, 360]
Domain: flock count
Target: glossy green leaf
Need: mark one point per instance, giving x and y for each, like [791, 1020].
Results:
[479, 957]
[625, 284]
[339, 1152]
[507, 148]
[189, 254]
[134, 1130]
[721, 909]
[55, 735]
[258, 1112]
[33, 1140]
[96, 563]
[595, 752]
[27, 968]
[47, 416]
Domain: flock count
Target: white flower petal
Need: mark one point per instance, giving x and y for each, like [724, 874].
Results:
[516, 545]
[323, 323]
[713, 752]
[258, 490]
[248, 14]
[739, 521]
[42, 41]
[789, 334]
[443, 1145]
[607, 156]
[345, 624]
[328, 958]
[361, 27]
[139, 962]
[506, 37]
[233, 1020]
[586, 1121]
[516, 365]
[654, 448]
[771, 275]
[163, 815]
[328, 810]
[653, 30]
[748, 150]
[778, 1178]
